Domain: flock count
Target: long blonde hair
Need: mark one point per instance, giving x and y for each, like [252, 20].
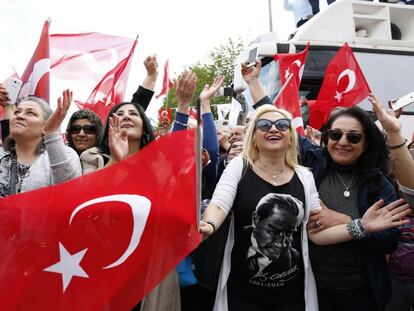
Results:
[250, 151]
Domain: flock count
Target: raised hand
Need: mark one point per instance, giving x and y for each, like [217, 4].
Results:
[390, 216]
[209, 91]
[55, 120]
[4, 99]
[387, 117]
[117, 140]
[251, 74]
[185, 88]
[151, 65]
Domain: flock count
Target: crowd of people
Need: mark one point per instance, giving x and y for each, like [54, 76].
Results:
[294, 223]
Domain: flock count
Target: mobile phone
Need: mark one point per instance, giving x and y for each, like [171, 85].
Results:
[403, 101]
[13, 87]
[251, 60]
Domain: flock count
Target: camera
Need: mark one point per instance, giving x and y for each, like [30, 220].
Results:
[225, 91]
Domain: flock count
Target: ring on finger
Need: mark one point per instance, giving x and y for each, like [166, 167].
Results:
[317, 223]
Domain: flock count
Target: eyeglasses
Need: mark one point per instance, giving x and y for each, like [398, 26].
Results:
[265, 124]
[352, 137]
[87, 129]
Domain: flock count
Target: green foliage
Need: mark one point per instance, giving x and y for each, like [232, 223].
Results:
[220, 62]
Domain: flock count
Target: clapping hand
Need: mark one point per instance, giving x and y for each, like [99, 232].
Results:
[210, 91]
[185, 88]
[55, 120]
[117, 140]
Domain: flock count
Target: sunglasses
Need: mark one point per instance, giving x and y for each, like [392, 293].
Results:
[87, 129]
[265, 124]
[352, 137]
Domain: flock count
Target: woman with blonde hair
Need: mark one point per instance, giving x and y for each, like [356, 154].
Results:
[266, 263]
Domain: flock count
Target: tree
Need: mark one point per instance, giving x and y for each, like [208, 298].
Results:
[220, 62]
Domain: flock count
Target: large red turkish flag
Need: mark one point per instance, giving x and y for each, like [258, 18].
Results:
[36, 75]
[344, 85]
[104, 240]
[291, 64]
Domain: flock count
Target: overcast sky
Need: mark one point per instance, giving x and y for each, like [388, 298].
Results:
[182, 30]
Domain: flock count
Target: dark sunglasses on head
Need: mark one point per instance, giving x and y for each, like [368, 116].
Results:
[352, 137]
[265, 124]
[87, 129]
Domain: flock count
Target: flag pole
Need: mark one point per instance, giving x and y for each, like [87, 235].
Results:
[198, 146]
[283, 87]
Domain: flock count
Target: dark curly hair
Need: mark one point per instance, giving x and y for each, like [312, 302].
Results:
[147, 131]
[91, 117]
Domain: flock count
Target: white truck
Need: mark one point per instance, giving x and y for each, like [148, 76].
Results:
[380, 34]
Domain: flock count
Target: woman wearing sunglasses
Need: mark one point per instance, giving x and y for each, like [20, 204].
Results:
[349, 172]
[84, 130]
[266, 264]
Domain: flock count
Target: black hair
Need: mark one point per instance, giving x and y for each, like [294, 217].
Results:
[375, 155]
[147, 131]
[91, 117]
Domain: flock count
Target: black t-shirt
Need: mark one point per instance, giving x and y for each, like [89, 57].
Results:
[266, 261]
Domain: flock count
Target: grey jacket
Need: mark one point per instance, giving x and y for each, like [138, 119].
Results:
[57, 164]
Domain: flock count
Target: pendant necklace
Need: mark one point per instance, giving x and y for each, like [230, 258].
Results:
[347, 193]
[274, 174]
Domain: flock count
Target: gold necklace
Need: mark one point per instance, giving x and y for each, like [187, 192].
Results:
[273, 176]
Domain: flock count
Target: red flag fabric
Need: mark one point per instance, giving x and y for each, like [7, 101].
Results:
[166, 82]
[110, 90]
[94, 64]
[35, 78]
[104, 240]
[344, 85]
[292, 64]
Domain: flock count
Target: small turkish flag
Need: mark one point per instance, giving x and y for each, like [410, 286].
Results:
[36, 75]
[166, 82]
[104, 240]
[344, 85]
[291, 64]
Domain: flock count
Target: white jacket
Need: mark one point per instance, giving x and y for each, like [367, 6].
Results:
[224, 196]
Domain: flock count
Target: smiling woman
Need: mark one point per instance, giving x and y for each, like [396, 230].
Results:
[127, 128]
[349, 173]
[34, 154]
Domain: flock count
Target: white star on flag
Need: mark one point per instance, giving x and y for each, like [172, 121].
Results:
[287, 73]
[68, 266]
[338, 96]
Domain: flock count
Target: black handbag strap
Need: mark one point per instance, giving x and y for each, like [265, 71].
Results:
[13, 176]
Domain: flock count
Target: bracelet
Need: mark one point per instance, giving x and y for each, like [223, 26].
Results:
[355, 229]
[211, 223]
[361, 228]
[182, 124]
[398, 146]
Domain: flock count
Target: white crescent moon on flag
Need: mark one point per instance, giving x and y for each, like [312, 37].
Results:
[140, 207]
[300, 66]
[351, 76]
